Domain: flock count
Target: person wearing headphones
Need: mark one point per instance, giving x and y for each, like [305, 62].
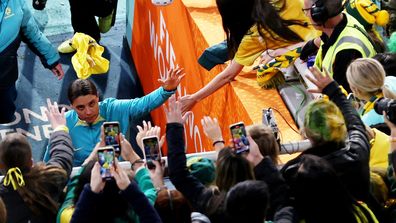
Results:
[343, 38]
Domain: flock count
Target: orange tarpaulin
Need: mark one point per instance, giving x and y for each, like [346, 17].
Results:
[164, 37]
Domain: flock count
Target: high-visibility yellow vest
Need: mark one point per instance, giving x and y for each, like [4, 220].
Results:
[352, 37]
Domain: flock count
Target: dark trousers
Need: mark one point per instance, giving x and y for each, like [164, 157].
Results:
[8, 77]
[7, 98]
[83, 14]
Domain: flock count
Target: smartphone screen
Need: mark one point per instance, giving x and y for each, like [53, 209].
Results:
[239, 138]
[106, 160]
[112, 135]
[151, 150]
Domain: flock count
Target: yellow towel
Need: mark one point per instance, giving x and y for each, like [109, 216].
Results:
[88, 58]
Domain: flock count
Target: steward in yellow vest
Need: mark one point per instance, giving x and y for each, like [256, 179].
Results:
[343, 38]
[342, 47]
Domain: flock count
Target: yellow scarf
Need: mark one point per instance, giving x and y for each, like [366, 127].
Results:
[370, 104]
[16, 181]
[267, 71]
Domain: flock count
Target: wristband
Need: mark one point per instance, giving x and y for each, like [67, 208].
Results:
[218, 141]
[62, 128]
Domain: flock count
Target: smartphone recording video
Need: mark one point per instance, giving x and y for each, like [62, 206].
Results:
[152, 150]
[112, 135]
[239, 138]
[106, 160]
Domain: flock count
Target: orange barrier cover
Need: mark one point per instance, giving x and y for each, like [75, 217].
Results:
[164, 37]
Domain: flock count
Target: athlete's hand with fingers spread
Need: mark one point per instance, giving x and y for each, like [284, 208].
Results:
[173, 79]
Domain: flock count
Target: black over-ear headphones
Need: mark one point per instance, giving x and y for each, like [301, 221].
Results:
[319, 13]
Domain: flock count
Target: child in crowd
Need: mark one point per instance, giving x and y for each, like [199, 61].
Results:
[120, 210]
[368, 82]
[31, 192]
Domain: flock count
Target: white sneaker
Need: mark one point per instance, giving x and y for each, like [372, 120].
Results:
[66, 47]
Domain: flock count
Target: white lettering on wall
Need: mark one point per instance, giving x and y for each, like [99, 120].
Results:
[4, 132]
[27, 113]
[167, 62]
[28, 117]
[36, 136]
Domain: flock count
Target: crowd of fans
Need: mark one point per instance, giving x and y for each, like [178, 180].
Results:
[346, 176]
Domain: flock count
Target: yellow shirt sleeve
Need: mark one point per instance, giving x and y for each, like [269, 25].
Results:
[379, 150]
[253, 45]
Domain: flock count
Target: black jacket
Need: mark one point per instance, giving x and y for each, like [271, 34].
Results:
[351, 160]
[204, 199]
[89, 207]
[61, 153]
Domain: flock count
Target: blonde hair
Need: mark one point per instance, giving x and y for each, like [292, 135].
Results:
[368, 76]
[266, 141]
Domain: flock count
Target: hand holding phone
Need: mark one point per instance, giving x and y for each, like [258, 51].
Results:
[239, 137]
[112, 136]
[151, 150]
[106, 161]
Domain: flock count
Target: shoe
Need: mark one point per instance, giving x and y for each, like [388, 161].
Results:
[105, 23]
[39, 4]
[66, 47]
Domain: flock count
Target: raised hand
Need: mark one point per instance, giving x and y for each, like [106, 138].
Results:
[187, 103]
[321, 80]
[254, 155]
[156, 131]
[142, 132]
[173, 112]
[55, 117]
[127, 152]
[211, 128]
[157, 174]
[173, 79]
[97, 183]
[120, 176]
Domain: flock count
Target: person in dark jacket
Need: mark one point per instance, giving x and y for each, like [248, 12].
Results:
[321, 197]
[210, 201]
[17, 24]
[94, 195]
[31, 192]
[247, 201]
[337, 136]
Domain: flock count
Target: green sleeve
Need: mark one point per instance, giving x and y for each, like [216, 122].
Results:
[146, 185]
